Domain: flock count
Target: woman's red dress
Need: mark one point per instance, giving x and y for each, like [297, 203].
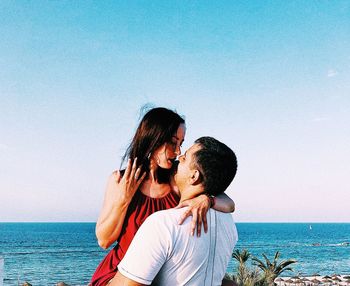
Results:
[139, 209]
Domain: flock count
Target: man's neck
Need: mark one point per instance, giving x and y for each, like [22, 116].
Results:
[191, 192]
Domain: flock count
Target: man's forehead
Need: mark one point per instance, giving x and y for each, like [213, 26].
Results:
[193, 149]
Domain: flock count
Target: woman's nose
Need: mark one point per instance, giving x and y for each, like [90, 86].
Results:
[178, 150]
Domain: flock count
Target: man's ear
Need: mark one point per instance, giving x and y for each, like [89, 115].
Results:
[195, 177]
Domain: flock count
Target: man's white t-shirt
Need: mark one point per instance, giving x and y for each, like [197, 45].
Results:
[164, 252]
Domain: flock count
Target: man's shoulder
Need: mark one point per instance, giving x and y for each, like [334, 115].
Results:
[169, 216]
[169, 219]
[225, 216]
[227, 225]
[175, 214]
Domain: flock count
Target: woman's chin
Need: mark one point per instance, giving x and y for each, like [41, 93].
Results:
[167, 165]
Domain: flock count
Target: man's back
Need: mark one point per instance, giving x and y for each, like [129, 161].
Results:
[164, 252]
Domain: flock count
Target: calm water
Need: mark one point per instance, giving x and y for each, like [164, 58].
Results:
[46, 253]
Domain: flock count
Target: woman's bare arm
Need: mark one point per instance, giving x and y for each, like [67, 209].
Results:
[118, 195]
[111, 218]
[223, 203]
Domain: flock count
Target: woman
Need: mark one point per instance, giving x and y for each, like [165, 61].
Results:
[146, 186]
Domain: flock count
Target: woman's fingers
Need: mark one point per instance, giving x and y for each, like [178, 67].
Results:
[140, 180]
[133, 170]
[194, 223]
[183, 204]
[199, 217]
[199, 224]
[205, 223]
[137, 173]
[185, 215]
[117, 176]
[127, 170]
[179, 206]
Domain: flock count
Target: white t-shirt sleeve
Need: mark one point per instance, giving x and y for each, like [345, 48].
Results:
[148, 251]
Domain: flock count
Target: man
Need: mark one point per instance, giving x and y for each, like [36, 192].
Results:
[163, 252]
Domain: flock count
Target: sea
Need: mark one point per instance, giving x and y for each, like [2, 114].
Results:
[47, 253]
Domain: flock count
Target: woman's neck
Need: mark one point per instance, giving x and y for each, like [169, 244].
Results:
[153, 176]
[153, 189]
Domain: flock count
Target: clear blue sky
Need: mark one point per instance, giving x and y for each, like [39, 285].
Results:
[269, 78]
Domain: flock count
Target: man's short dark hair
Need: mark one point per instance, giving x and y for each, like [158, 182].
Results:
[217, 164]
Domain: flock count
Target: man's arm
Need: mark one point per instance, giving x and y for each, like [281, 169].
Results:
[121, 280]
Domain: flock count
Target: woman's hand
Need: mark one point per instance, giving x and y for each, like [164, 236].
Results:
[198, 208]
[127, 185]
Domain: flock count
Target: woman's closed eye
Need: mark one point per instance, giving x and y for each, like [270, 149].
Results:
[175, 145]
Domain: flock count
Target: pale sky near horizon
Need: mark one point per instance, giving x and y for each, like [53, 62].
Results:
[271, 79]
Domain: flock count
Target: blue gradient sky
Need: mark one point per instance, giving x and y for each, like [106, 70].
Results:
[269, 78]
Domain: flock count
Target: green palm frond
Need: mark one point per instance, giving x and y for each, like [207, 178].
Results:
[277, 255]
[259, 263]
[283, 266]
[241, 257]
[271, 270]
[266, 270]
[268, 262]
